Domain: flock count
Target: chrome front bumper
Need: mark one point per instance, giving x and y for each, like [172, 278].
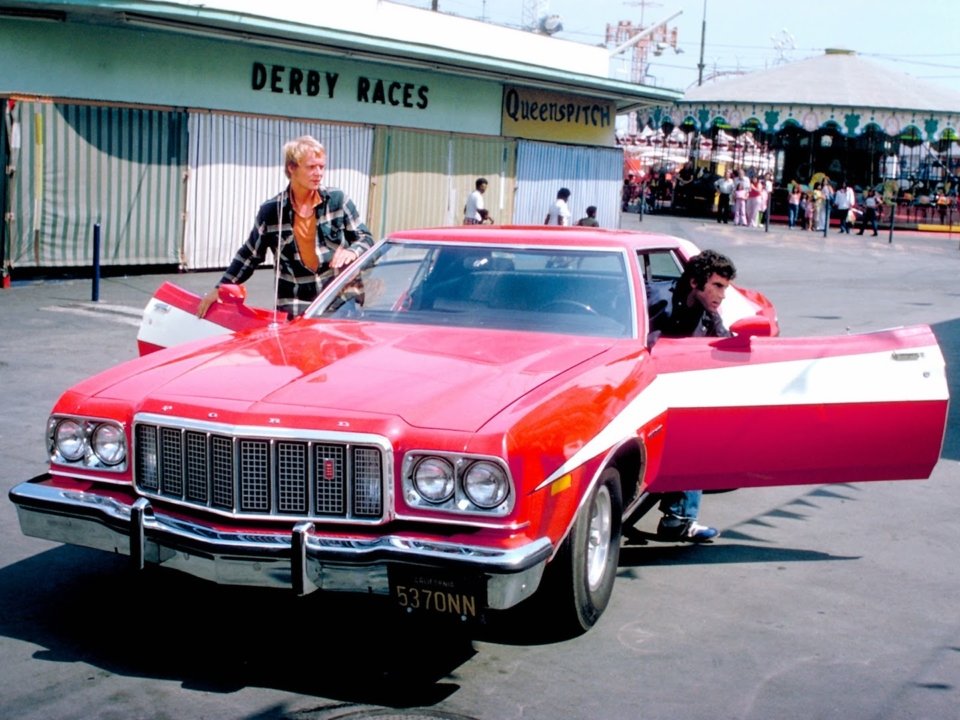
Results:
[302, 560]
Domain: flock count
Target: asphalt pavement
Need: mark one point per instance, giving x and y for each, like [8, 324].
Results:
[817, 603]
[127, 294]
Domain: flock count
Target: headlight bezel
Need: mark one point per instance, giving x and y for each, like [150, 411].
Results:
[490, 471]
[88, 443]
[464, 499]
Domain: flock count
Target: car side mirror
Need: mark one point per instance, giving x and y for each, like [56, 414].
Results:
[232, 294]
[752, 326]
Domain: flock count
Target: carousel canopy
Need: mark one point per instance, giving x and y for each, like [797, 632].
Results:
[837, 88]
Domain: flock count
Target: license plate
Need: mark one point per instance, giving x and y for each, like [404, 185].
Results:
[423, 592]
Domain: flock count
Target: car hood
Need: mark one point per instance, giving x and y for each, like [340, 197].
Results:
[451, 378]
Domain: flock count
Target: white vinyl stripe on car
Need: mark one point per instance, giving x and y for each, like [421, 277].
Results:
[919, 375]
[166, 325]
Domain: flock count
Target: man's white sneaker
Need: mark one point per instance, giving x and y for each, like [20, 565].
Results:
[685, 530]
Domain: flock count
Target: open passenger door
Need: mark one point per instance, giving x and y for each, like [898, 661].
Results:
[757, 411]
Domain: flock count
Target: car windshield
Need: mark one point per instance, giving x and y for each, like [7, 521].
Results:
[569, 290]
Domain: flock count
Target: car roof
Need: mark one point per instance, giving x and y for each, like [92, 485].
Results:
[545, 235]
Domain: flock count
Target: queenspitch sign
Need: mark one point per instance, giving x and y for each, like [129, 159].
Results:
[542, 115]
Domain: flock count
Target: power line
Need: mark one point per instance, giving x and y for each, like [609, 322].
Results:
[911, 55]
[915, 62]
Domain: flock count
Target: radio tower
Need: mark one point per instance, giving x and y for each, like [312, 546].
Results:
[641, 40]
[656, 39]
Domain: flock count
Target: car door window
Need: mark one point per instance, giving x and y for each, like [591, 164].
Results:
[661, 269]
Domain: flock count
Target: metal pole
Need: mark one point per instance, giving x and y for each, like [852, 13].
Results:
[766, 213]
[893, 211]
[826, 214]
[703, 38]
[95, 293]
[643, 199]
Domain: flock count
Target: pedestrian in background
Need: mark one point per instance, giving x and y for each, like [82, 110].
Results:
[754, 198]
[766, 190]
[559, 213]
[843, 202]
[807, 211]
[871, 212]
[474, 212]
[740, 195]
[724, 187]
[591, 218]
[819, 207]
[793, 204]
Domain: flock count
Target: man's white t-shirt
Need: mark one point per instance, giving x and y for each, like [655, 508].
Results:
[559, 213]
[843, 199]
[474, 204]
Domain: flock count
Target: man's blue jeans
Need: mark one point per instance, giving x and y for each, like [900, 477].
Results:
[685, 505]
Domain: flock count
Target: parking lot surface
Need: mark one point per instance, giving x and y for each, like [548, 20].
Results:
[817, 601]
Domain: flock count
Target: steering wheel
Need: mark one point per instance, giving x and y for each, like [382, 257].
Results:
[567, 306]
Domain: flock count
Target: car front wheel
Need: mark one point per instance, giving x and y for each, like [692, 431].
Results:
[580, 578]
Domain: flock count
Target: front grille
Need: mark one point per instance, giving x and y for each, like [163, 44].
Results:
[260, 475]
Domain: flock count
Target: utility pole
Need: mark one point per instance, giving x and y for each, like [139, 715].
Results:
[703, 40]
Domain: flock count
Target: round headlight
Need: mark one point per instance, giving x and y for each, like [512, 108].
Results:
[69, 441]
[433, 478]
[485, 484]
[109, 444]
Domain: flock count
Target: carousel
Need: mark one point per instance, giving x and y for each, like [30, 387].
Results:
[836, 116]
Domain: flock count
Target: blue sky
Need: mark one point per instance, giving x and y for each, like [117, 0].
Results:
[914, 37]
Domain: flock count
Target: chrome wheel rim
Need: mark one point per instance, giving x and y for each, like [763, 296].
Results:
[598, 537]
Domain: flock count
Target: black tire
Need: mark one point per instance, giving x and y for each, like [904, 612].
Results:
[580, 578]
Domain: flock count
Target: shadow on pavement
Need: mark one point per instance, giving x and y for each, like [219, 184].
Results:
[86, 606]
[718, 553]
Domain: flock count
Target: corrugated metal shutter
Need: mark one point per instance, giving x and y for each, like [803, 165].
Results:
[78, 165]
[593, 175]
[422, 179]
[236, 163]
[491, 158]
[411, 180]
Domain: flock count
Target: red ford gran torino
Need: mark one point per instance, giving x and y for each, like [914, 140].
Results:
[464, 416]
